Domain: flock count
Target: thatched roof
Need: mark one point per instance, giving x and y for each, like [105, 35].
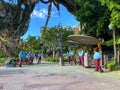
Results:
[84, 39]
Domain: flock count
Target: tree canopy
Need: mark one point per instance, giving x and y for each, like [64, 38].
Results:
[95, 17]
[15, 17]
[50, 38]
[114, 7]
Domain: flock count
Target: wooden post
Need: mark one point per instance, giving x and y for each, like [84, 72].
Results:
[100, 51]
[118, 57]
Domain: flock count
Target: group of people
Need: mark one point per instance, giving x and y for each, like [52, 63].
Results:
[72, 60]
[96, 56]
[30, 57]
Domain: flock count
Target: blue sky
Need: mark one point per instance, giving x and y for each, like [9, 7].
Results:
[39, 15]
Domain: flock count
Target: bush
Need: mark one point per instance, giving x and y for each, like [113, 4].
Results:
[117, 67]
[51, 59]
[2, 60]
[14, 59]
[66, 59]
[113, 66]
[1, 54]
[56, 59]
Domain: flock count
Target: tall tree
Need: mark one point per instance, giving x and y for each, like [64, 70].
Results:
[94, 17]
[49, 38]
[114, 7]
[15, 17]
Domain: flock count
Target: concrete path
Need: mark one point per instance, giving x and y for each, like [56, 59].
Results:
[51, 76]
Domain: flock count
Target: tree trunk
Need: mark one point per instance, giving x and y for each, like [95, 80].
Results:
[114, 46]
[53, 53]
[14, 22]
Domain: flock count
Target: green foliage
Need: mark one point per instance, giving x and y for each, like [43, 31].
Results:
[95, 16]
[56, 59]
[114, 7]
[2, 60]
[31, 44]
[1, 54]
[14, 59]
[66, 58]
[117, 67]
[109, 43]
[113, 66]
[51, 59]
[16, 52]
[118, 41]
[50, 38]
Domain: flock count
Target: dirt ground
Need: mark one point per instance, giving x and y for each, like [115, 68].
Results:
[51, 76]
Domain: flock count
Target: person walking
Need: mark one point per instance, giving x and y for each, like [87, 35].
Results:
[36, 56]
[68, 57]
[81, 57]
[32, 58]
[21, 56]
[71, 57]
[97, 57]
[79, 54]
[39, 58]
[29, 58]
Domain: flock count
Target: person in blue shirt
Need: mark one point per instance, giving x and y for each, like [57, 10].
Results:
[29, 58]
[97, 57]
[81, 56]
[39, 58]
[21, 56]
[24, 55]
[32, 58]
[71, 57]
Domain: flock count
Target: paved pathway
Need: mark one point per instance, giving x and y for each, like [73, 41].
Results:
[50, 76]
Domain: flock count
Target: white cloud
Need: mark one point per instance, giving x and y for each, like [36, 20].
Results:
[40, 14]
[43, 13]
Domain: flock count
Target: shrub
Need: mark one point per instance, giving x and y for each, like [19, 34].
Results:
[1, 54]
[66, 59]
[117, 67]
[51, 59]
[14, 59]
[113, 66]
[2, 60]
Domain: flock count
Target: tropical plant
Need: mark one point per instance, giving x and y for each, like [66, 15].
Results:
[114, 7]
[113, 66]
[49, 38]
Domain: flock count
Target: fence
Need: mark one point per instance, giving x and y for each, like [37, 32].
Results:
[107, 57]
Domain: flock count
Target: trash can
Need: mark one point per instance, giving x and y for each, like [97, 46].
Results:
[87, 60]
